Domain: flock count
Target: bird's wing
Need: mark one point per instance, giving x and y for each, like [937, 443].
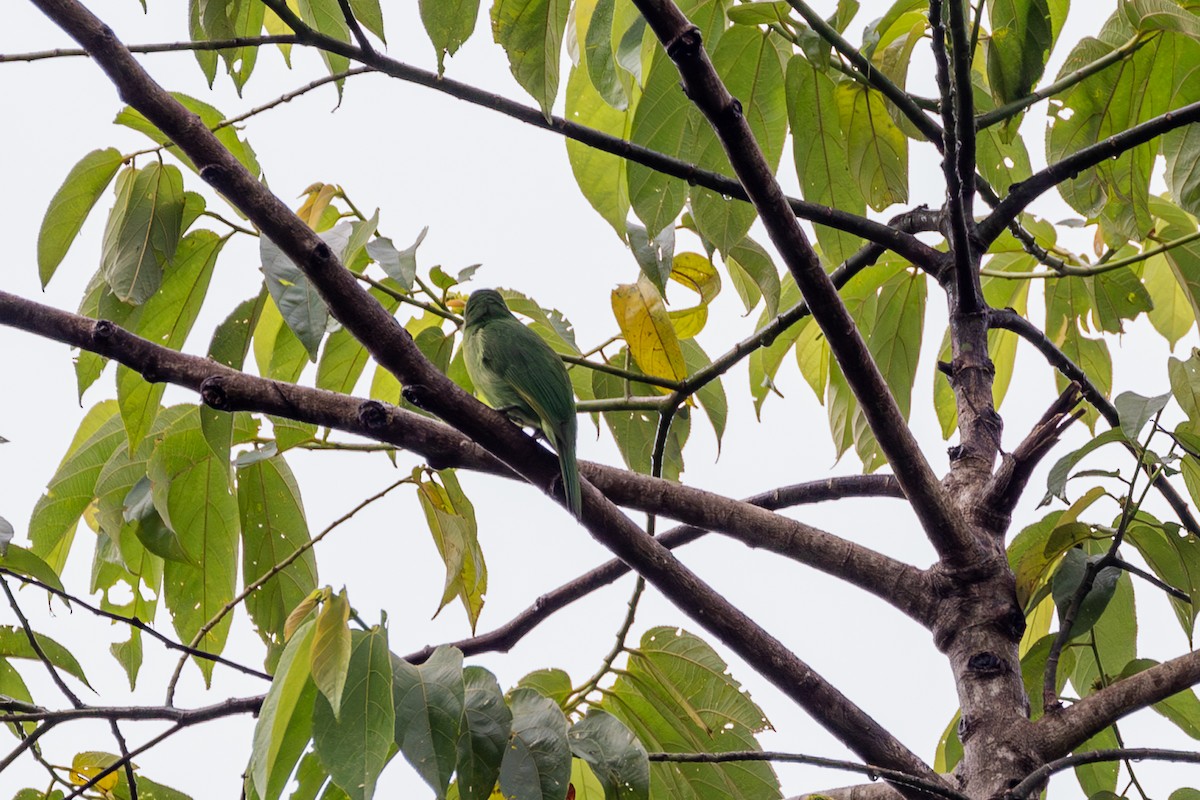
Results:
[534, 372]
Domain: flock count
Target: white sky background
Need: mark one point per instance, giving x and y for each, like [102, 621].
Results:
[494, 191]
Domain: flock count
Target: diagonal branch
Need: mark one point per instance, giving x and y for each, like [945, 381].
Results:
[946, 530]
[1010, 320]
[958, 151]
[230, 390]
[899, 241]
[1025, 192]
[394, 349]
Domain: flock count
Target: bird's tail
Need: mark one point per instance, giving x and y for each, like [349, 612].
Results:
[570, 475]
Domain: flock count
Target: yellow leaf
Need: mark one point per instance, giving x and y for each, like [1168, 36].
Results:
[696, 272]
[316, 201]
[300, 612]
[644, 322]
[689, 321]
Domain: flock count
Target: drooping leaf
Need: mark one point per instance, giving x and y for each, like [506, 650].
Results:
[331, 650]
[70, 206]
[429, 700]
[615, 755]
[285, 722]
[1018, 47]
[537, 762]
[451, 518]
[531, 33]
[601, 176]
[449, 23]
[354, 747]
[143, 230]
[482, 735]
[14, 643]
[643, 320]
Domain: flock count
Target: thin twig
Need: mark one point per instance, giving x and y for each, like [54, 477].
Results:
[1109, 265]
[134, 622]
[1030, 785]
[37, 647]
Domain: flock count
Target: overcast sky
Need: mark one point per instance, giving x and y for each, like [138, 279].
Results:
[496, 192]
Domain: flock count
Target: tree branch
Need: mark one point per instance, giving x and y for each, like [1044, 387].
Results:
[1025, 192]
[937, 788]
[229, 390]
[189, 716]
[702, 85]
[1010, 320]
[1036, 780]
[503, 638]
[394, 349]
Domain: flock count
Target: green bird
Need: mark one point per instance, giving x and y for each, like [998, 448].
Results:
[519, 374]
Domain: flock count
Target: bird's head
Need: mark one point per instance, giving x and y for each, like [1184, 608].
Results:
[484, 304]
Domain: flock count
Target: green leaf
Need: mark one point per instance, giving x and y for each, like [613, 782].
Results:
[400, 265]
[1135, 411]
[143, 231]
[765, 361]
[1099, 777]
[193, 494]
[594, 28]
[711, 395]
[72, 489]
[24, 562]
[1033, 672]
[748, 62]
[760, 12]
[354, 748]
[634, 431]
[331, 650]
[1115, 642]
[14, 643]
[1174, 556]
[429, 701]
[754, 276]
[1018, 47]
[273, 529]
[1067, 579]
[615, 755]
[601, 176]
[482, 734]
[70, 206]
[229, 345]
[344, 357]
[537, 763]
[451, 519]
[676, 695]
[167, 318]
[326, 16]
[370, 16]
[1183, 708]
[285, 723]
[449, 23]
[820, 151]
[531, 33]
[228, 135]
[877, 150]
[655, 257]
[229, 20]
[660, 122]
[550, 682]
[296, 298]
[1056, 482]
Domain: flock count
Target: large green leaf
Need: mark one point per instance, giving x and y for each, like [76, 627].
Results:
[1174, 556]
[429, 700]
[71, 205]
[285, 722]
[877, 150]
[229, 345]
[748, 62]
[537, 763]
[594, 30]
[677, 695]
[354, 747]
[14, 643]
[231, 19]
[143, 230]
[297, 299]
[1018, 47]
[819, 148]
[326, 16]
[167, 319]
[531, 32]
[193, 494]
[615, 755]
[71, 490]
[482, 734]
[660, 122]
[601, 176]
[228, 135]
[273, 529]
